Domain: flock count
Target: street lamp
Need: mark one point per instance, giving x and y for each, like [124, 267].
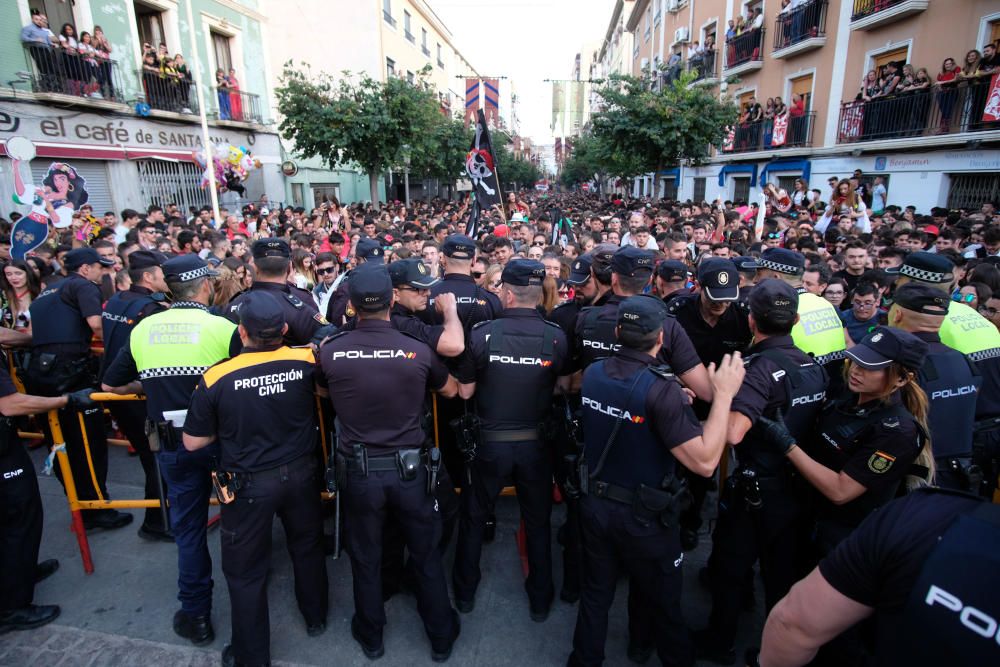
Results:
[406, 173]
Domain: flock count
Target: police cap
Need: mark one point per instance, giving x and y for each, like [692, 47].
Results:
[601, 258]
[370, 250]
[370, 287]
[271, 247]
[412, 272]
[74, 259]
[185, 268]
[775, 301]
[580, 273]
[782, 260]
[144, 259]
[459, 246]
[523, 272]
[925, 267]
[261, 316]
[719, 279]
[673, 269]
[921, 298]
[884, 345]
[642, 313]
[631, 261]
[744, 263]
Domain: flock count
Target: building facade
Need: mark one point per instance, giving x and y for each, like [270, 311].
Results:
[930, 144]
[133, 132]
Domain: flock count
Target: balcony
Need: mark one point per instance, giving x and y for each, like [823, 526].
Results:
[168, 93]
[387, 17]
[800, 30]
[952, 109]
[705, 68]
[745, 53]
[761, 136]
[871, 14]
[53, 72]
[238, 106]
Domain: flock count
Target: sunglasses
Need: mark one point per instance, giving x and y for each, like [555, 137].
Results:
[963, 298]
[323, 272]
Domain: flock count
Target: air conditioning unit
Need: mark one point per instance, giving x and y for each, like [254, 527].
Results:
[680, 35]
[673, 6]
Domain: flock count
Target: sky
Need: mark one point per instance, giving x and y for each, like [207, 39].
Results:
[528, 41]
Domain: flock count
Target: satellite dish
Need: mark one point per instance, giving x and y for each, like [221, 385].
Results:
[142, 109]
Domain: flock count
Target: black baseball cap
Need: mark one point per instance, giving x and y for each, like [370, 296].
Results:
[580, 273]
[78, 257]
[459, 246]
[412, 272]
[144, 259]
[884, 345]
[719, 279]
[921, 298]
[775, 301]
[782, 260]
[925, 267]
[673, 269]
[744, 263]
[370, 250]
[185, 268]
[642, 313]
[370, 287]
[271, 247]
[261, 316]
[630, 261]
[523, 272]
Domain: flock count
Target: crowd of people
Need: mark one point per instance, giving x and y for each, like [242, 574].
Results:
[166, 79]
[69, 62]
[821, 343]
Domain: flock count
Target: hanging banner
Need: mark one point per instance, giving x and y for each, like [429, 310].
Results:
[471, 100]
[852, 120]
[491, 93]
[559, 150]
[576, 91]
[730, 141]
[991, 113]
[558, 108]
[780, 131]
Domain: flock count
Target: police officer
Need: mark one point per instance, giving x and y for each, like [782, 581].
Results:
[949, 379]
[388, 469]
[260, 407]
[584, 287]
[64, 318]
[121, 313]
[759, 511]
[926, 566]
[819, 331]
[637, 425]
[271, 258]
[412, 283]
[747, 267]
[671, 280]
[367, 250]
[21, 503]
[164, 358]
[518, 358]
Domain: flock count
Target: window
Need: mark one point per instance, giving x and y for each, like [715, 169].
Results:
[743, 100]
[992, 33]
[297, 194]
[423, 42]
[390, 67]
[325, 192]
[223, 56]
[787, 183]
[971, 190]
[669, 188]
[162, 182]
[439, 56]
[646, 32]
[149, 21]
[410, 77]
[741, 189]
[406, 25]
[387, 13]
[803, 86]
[886, 57]
[699, 190]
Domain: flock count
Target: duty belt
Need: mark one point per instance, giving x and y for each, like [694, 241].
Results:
[375, 463]
[619, 494]
[520, 435]
[984, 425]
[278, 472]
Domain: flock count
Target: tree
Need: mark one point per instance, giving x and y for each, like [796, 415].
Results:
[642, 129]
[360, 120]
[512, 169]
[445, 150]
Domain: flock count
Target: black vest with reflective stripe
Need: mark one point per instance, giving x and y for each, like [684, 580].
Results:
[952, 390]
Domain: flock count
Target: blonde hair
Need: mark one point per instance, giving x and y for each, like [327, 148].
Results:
[227, 285]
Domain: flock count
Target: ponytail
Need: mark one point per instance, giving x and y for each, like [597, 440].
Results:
[915, 400]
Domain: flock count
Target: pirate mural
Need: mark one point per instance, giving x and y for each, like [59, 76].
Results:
[62, 191]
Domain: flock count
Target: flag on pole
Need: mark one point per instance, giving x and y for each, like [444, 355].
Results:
[491, 92]
[481, 168]
[471, 100]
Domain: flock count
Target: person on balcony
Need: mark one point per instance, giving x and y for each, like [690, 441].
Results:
[235, 101]
[222, 90]
[89, 68]
[184, 81]
[151, 82]
[797, 120]
[769, 120]
[70, 60]
[102, 52]
[41, 43]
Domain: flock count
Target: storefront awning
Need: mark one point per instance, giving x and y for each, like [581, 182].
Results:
[738, 169]
[84, 152]
[674, 173]
[788, 164]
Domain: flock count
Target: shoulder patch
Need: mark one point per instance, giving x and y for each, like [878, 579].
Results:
[880, 462]
[891, 422]
[294, 300]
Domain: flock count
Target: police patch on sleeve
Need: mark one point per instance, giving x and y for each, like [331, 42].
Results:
[880, 462]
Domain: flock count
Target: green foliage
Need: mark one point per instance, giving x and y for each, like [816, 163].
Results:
[513, 170]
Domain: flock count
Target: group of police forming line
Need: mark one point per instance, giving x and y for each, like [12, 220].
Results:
[852, 476]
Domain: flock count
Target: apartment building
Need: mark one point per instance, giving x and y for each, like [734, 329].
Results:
[382, 38]
[931, 145]
[131, 130]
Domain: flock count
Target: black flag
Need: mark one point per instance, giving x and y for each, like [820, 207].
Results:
[481, 168]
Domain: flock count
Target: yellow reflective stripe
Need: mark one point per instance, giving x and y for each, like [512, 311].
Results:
[249, 359]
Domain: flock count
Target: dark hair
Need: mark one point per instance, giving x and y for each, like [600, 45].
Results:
[272, 267]
[823, 270]
[864, 289]
[324, 257]
[33, 281]
[632, 284]
[634, 340]
[184, 237]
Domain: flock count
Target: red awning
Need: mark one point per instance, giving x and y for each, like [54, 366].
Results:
[84, 152]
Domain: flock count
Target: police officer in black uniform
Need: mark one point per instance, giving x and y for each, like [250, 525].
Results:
[637, 425]
[950, 380]
[122, 312]
[367, 251]
[518, 358]
[381, 449]
[64, 318]
[272, 261]
[584, 292]
[671, 280]
[760, 510]
[21, 509]
[259, 405]
[747, 268]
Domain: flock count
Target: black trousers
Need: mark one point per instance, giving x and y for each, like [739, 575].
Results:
[131, 418]
[367, 504]
[20, 528]
[292, 493]
[614, 542]
[529, 465]
[742, 536]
